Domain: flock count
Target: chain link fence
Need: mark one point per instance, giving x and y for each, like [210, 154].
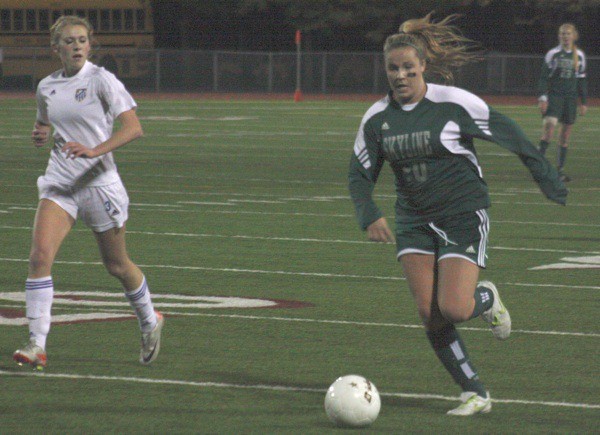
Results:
[274, 72]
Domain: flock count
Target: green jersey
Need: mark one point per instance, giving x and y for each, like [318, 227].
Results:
[560, 77]
[429, 147]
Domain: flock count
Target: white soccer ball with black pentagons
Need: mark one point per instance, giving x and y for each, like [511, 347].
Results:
[352, 401]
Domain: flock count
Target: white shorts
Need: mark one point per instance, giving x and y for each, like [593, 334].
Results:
[99, 207]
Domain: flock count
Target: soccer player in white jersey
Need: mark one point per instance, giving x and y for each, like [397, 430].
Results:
[76, 107]
[426, 133]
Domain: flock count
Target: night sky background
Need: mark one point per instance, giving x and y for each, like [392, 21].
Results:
[507, 26]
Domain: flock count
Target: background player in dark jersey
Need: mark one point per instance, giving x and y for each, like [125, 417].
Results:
[425, 132]
[562, 81]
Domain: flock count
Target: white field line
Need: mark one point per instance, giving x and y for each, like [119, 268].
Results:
[13, 206]
[358, 323]
[219, 269]
[493, 192]
[306, 320]
[304, 239]
[287, 388]
[283, 272]
[351, 216]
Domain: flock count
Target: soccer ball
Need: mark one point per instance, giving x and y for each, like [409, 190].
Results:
[352, 401]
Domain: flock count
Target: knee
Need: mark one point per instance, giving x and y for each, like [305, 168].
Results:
[118, 269]
[40, 260]
[455, 313]
[432, 319]
[550, 123]
[425, 315]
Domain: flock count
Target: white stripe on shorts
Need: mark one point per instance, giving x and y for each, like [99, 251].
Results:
[484, 229]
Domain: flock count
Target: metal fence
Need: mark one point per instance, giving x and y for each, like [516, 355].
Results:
[275, 72]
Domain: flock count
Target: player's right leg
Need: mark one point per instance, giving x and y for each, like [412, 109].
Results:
[548, 125]
[51, 226]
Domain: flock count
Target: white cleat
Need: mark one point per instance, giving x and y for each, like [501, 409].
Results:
[472, 404]
[151, 341]
[497, 316]
[31, 354]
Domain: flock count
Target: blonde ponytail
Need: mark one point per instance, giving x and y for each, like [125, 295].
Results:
[440, 44]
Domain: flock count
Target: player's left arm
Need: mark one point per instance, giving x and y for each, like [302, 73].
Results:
[507, 133]
[130, 129]
[582, 86]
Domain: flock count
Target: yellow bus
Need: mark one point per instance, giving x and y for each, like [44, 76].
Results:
[123, 29]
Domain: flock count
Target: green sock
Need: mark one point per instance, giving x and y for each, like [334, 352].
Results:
[543, 146]
[484, 299]
[451, 351]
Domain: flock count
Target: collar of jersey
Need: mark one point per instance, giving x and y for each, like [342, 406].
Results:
[84, 68]
[404, 107]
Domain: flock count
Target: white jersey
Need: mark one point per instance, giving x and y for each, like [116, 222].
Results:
[82, 108]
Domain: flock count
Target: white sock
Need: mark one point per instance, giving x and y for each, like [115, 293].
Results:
[140, 301]
[38, 302]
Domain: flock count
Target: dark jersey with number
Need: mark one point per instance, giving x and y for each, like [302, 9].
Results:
[560, 77]
[429, 147]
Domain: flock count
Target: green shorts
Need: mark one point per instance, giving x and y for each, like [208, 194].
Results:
[563, 108]
[464, 236]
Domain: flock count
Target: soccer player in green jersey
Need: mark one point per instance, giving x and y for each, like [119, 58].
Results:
[426, 133]
[562, 81]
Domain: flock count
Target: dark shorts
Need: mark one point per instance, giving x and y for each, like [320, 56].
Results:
[463, 236]
[563, 108]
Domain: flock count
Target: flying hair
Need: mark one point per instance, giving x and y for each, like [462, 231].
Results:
[440, 44]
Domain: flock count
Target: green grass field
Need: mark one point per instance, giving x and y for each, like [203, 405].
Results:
[248, 200]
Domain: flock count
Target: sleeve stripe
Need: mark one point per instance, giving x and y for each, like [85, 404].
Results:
[450, 138]
[477, 109]
[360, 147]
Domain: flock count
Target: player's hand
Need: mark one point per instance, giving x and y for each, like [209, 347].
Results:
[379, 231]
[75, 149]
[582, 110]
[40, 136]
[543, 105]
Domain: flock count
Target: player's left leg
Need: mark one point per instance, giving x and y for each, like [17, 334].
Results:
[567, 119]
[421, 273]
[458, 301]
[563, 146]
[117, 262]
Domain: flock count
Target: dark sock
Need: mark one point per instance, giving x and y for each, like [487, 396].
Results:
[451, 351]
[562, 157]
[484, 299]
[543, 146]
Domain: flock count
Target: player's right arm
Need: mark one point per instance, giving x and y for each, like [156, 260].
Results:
[40, 134]
[41, 129]
[543, 86]
[365, 165]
